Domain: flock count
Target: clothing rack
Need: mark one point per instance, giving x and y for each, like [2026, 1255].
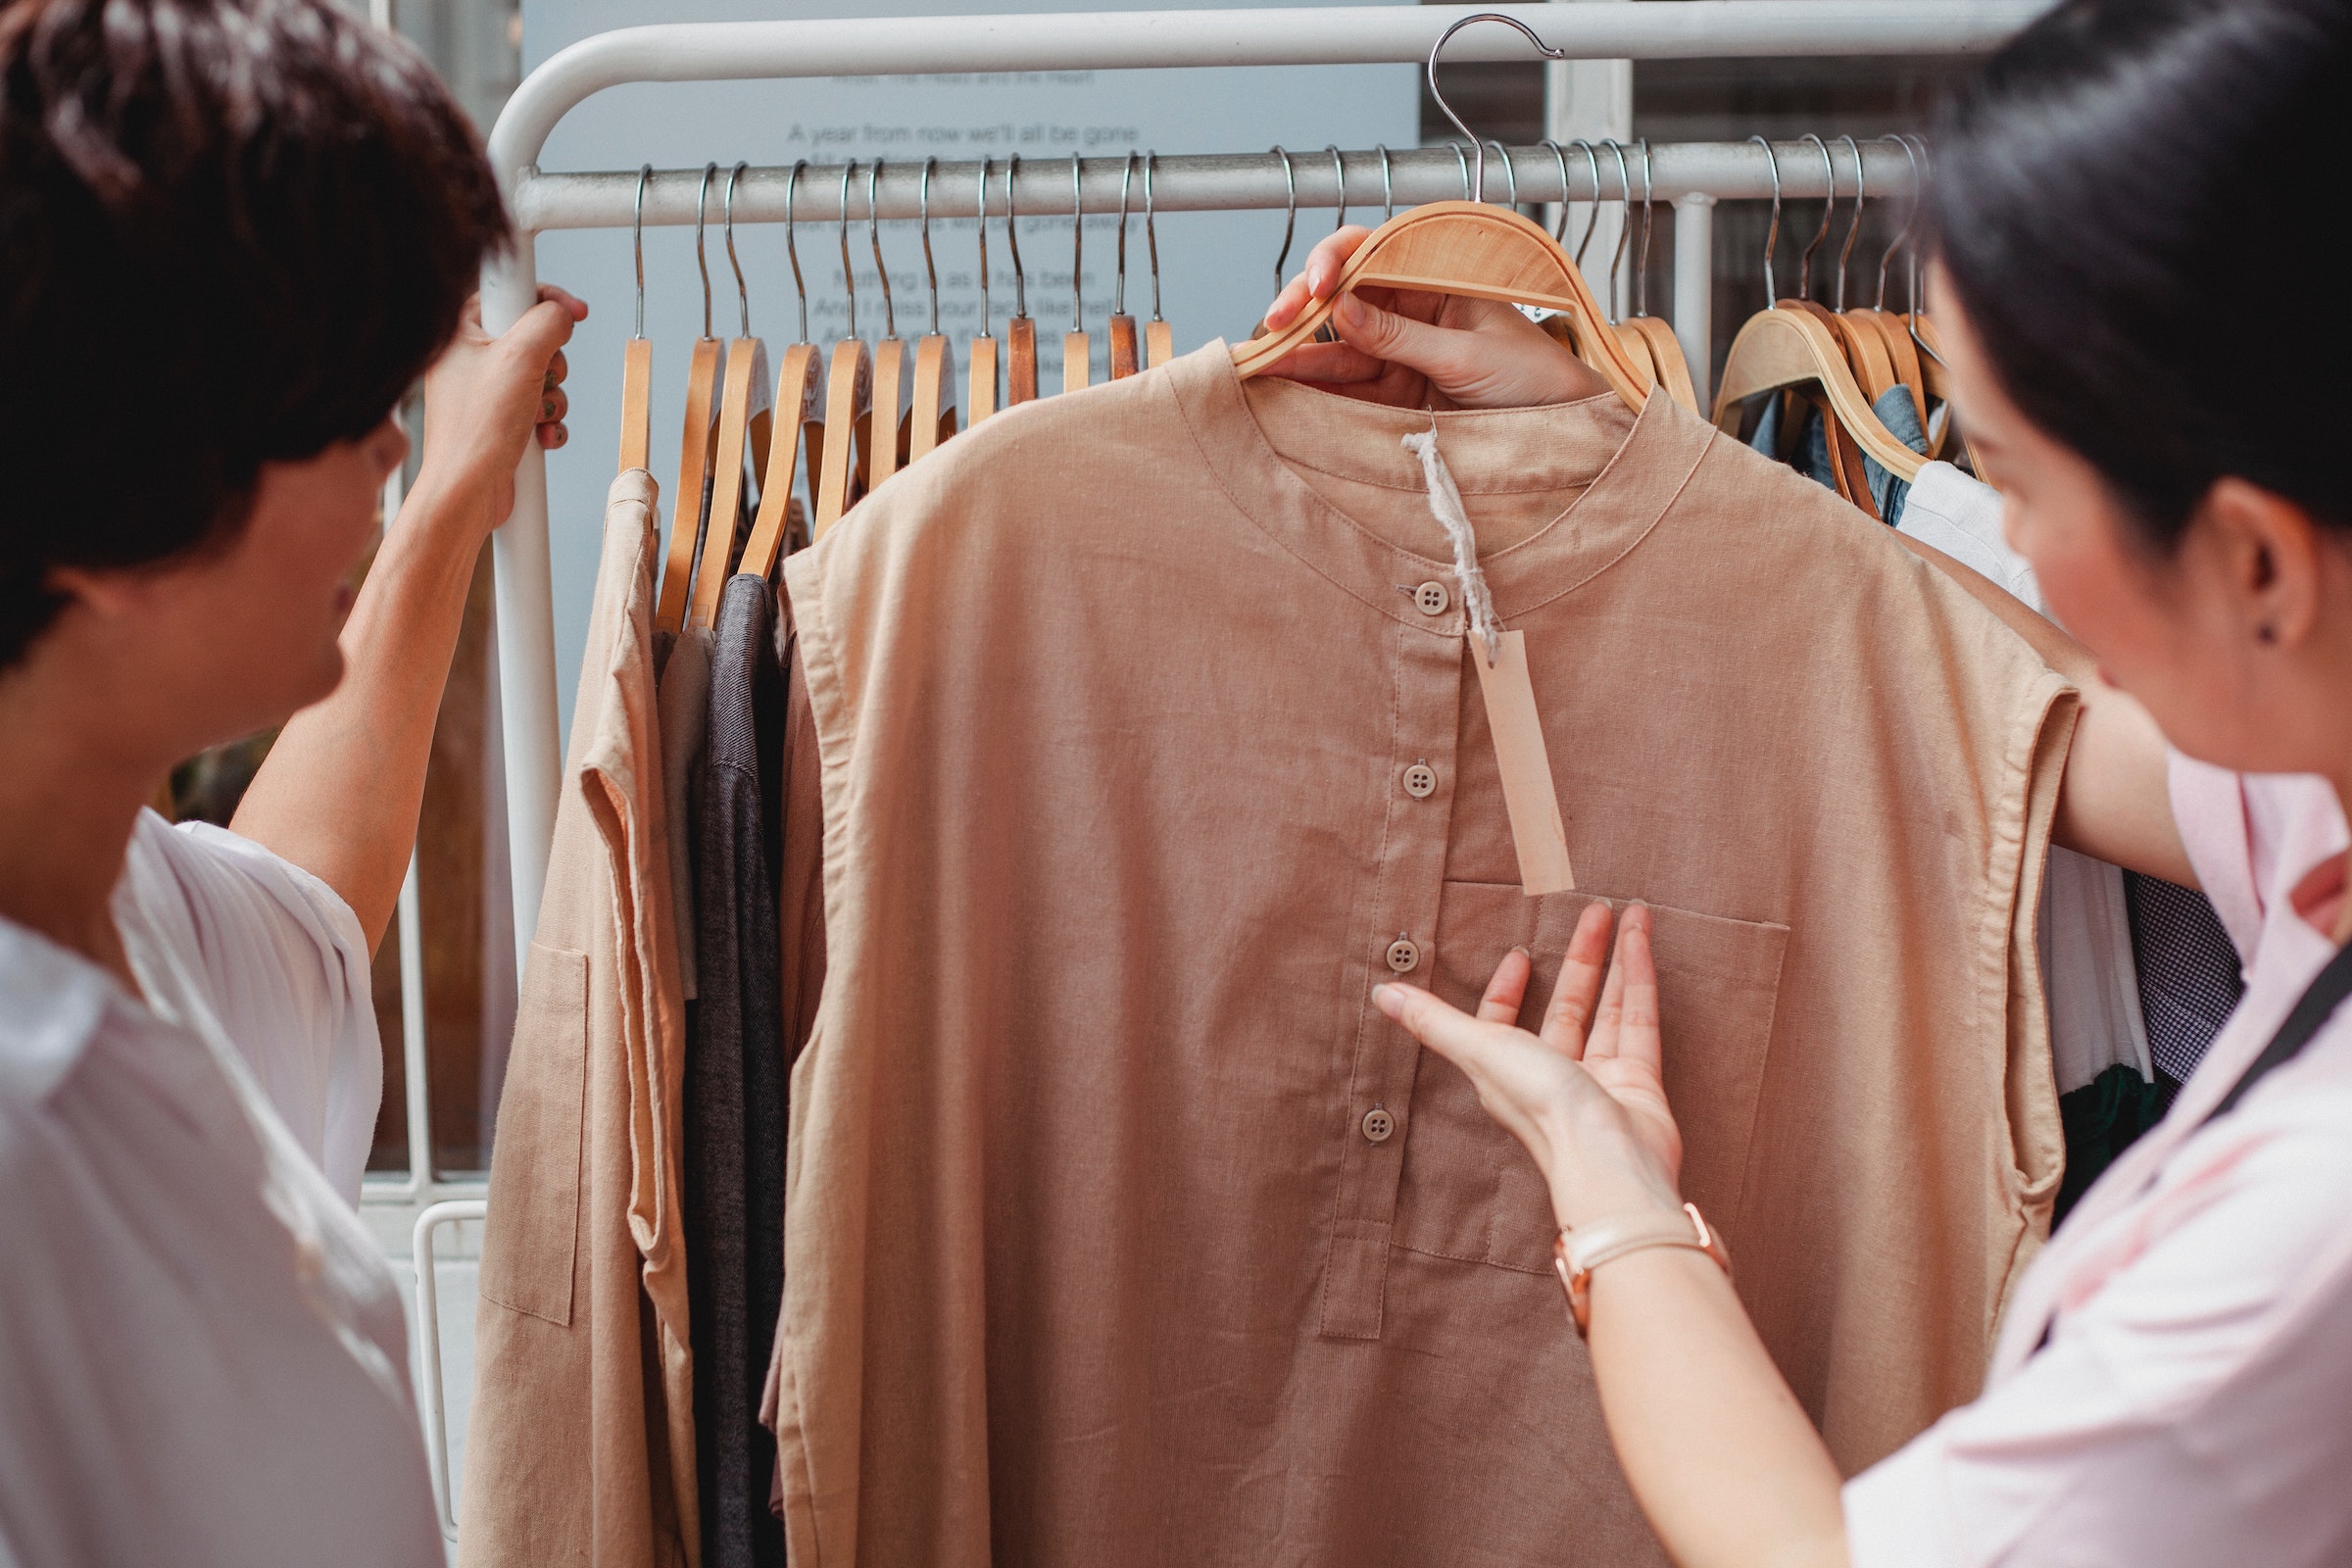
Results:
[1690, 176]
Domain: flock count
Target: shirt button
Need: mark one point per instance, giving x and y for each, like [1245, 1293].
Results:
[1432, 598]
[1378, 1124]
[1403, 955]
[1420, 781]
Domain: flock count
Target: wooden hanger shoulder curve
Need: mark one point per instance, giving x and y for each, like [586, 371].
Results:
[931, 418]
[1671, 369]
[1789, 348]
[848, 402]
[686, 514]
[744, 393]
[636, 404]
[1466, 248]
[798, 395]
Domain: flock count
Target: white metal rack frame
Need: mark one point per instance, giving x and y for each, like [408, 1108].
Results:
[1690, 176]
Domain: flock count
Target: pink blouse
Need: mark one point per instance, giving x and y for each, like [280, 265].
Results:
[2192, 1403]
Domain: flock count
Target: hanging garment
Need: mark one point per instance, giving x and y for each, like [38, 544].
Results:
[580, 1445]
[202, 1356]
[684, 703]
[1120, 1224]
[2099, 1036]
[735, 1083]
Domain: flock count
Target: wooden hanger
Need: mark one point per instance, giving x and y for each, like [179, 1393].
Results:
[743, 401]
[1667, 368]
[1784, 348]
[637, 359]
[931, 412]
[1467, 248]
[886, 435]
[1159, 338]
[1020, 333]
[1077, 352]
[980, 395]
[1891, 329]
[696, 444]
[797, 392]
[1126, 349]
[848, 403]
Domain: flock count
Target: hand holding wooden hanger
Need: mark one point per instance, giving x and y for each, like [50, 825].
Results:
[1408, 348]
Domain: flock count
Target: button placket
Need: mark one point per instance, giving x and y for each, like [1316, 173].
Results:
[1398, 945]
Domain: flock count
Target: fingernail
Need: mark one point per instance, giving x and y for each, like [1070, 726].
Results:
[1350, 311]
[1523, 952]
[1384, 998]
[546, 407]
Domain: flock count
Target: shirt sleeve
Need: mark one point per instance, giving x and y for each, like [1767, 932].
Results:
[2187, 1412]
[287, 973]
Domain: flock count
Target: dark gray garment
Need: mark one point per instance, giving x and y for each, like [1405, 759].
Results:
[734, 1107]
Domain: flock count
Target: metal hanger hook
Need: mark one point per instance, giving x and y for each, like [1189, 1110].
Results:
[1387, 183]
[1118, 287]
[1772, 236]
[1510, 173]
[873, 239]
[1804, 263]
[1853, 224]
[1151, 231]
[930, 267]
[1338, 179]
[1592, 215]
[1650, 210]
[1012, 237]
[849, 275]
[1289, 221]
[701, 260]
[743, 296]
[645, 172]
[1910, 217]
[1625, 222]
[800, 285]
[1478, 183]
[987, 320]
[1463, 157]
[1560, 230]
[1077, 246]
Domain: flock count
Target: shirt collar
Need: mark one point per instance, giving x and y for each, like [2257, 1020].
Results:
[1633, 466]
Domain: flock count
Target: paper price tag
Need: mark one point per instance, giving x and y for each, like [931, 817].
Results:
[1537, 831]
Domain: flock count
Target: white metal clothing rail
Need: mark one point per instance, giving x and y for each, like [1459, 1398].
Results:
[1097, 42]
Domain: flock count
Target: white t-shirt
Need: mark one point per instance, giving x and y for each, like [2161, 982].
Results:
[2192, 1405]
[203, 1357]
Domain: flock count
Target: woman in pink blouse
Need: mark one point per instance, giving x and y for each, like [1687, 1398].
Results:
[2173, 1381]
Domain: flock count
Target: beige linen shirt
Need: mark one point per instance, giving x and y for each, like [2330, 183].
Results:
[581, 1445]
[1121, 1226]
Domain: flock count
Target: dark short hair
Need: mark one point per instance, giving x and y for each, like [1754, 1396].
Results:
[2129, 188]
[231, 232]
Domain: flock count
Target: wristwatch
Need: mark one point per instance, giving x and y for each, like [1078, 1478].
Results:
[1578, 1252]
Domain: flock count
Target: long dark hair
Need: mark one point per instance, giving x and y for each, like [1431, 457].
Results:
[2128, 187]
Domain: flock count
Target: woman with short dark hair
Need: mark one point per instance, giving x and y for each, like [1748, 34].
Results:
[232, 233]
[2138, 284]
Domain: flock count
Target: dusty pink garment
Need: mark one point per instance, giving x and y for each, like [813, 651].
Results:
[1097, 1251]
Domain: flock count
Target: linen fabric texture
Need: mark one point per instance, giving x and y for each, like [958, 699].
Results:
[1096, 1251]
[580, 1445]
[202, 1356]
[735, 1080]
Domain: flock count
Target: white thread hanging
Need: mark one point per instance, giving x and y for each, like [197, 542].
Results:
[1446, 505]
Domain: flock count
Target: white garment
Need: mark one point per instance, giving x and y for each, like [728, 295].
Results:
[2083, 929]
[2188, 1408]
[202, 1356]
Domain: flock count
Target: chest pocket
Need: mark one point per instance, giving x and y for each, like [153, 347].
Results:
[1468, 1190]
